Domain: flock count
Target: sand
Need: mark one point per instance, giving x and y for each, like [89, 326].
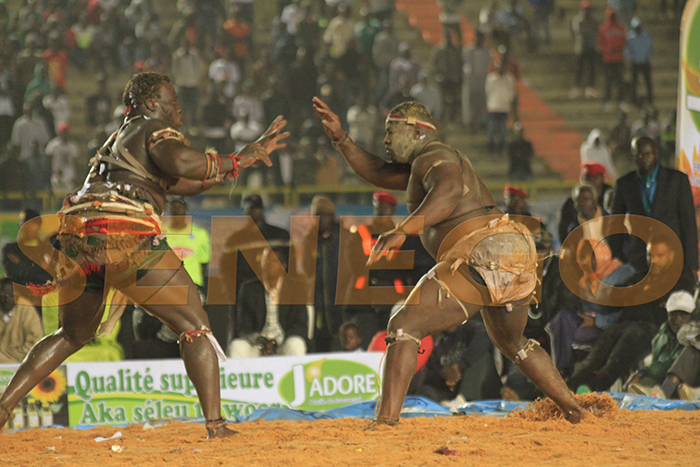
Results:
[536, 437]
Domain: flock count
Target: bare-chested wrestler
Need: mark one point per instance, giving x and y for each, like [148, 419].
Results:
[110, 230]
[468, 235]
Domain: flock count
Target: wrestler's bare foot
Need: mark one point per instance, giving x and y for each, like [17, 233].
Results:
[577, 415]
[218, 429]
[379, 421]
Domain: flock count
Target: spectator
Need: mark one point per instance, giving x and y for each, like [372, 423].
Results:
[584, 28]
[64, 154]
[186, 72]
[58, 104]
[291, 16]
[516, 201]
[98, 105]
[403, 71]
[611, 40]
[593, 174]
[683, 377]
[40, 85]
[271, 319]
[476, 60]
[665, 348]
[7, 105]
[225, 71]
[25, 261]
[595, 150]
[350, 339]
[460, 368]
[624, 344]
[451, 20]
[362, 122]
[500, 93]
[20, 326]
[239, 35]
[638, 50]
[619, 140]
[660, 193]
[339, 34]
[447, 64]
[541, 11]
[647, 125]
[30, 135]
[427, 93]
[216, 119]
[384, 51]
[247, 104]
[56, 60]
[320, 264]
[236, 271]
[520, 153]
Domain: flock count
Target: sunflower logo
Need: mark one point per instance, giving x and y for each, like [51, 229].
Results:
[50, 389]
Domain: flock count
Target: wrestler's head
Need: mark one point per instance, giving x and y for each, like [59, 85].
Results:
[152, 94]
[409, 127]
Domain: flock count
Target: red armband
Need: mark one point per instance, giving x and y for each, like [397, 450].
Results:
[233, 174]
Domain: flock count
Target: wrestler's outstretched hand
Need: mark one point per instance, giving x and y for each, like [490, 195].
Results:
[268, 142]
[387, 244]
[331, 122]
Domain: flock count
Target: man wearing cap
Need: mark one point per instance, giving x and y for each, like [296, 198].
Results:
[594, 174]
[359, 298]
[665, 348]
[236, 271]
[638, 51]
[516, 200]
[473, 242]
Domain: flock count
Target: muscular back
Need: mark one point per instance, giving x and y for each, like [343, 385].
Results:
[135, 135]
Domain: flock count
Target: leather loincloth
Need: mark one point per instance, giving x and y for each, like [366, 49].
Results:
[503, 253]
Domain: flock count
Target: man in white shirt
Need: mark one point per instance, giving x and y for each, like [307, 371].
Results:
[500, 93]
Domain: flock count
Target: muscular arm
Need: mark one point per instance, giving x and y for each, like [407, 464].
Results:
[444, 187]
[178, 160]
[185, 187]
[373, 169]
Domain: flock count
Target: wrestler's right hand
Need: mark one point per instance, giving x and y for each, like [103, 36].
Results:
[331, 122]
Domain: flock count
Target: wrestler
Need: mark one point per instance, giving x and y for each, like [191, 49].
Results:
[110, 236]
[445, 195]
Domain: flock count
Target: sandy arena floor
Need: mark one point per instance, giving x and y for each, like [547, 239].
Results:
[533, 438]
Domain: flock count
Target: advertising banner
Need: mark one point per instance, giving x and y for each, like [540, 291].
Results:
[688, 118]
[143, 390]
[45, 405]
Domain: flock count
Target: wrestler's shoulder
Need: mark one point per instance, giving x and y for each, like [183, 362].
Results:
[437, 152]
[149, 126]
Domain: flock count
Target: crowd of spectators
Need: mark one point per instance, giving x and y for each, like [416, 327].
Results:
[230, 86]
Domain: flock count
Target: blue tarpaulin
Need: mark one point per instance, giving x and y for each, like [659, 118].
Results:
[421, 407]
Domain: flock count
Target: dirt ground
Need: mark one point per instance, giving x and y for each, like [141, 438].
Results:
[537, 437]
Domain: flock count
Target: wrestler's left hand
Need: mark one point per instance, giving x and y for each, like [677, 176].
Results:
[387, 244]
